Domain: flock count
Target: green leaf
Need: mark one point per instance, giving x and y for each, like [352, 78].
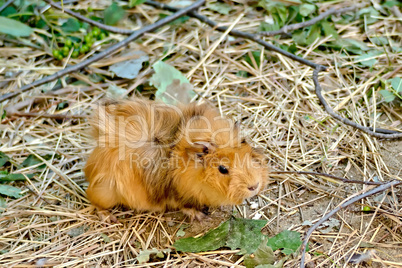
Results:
[388, 96]
[306, 9]
[14, 177]
[288, 241]
[315, 32]
[71, 25]
[329, 29]
[3, 203]
[113, 14]
[396, 84]
[115, 92]
[369, 13]
[256, 55]
[245, 234]
[145, 255]
[9, 190]
[14, 27]
[369, 62]
[130, 68]
[3, 159]
[105, 238]
[32, 160]
[212, 240]
[221, 8]
[173, 87]
[349, 45]
[263, 255]
[133, 3]
[234, 233]
[380, 40]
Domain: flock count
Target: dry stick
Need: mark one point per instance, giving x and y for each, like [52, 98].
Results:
[329, 176]
[378, 189]
[87, 20]
[107, 52]
[53, 116]
[237, 33]
[380, 133]
[292, 27]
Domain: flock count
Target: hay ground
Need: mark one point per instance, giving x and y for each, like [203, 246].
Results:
[53, 224]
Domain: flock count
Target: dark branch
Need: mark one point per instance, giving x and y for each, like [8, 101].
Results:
[289, 28]
[379, 133]
[53, 116]
[107, 52]
[87, 20]
[378, 189]
[329, 176]
[241, 34]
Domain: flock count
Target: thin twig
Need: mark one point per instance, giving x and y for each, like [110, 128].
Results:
[378, 189]
[53, 116]
[289, 28]
[89, 21]
[379, 133]
[329, 176]
[241, 34]
[107, 52]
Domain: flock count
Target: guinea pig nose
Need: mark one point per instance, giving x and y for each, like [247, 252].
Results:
[252, 188]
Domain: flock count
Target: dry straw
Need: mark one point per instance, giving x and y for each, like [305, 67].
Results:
[54, 225]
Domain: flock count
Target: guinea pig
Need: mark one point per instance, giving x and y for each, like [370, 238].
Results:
[152, 156]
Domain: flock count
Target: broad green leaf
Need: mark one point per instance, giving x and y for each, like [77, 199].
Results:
[71, 25]
[329, 29]
[300, 37]
[306, 9]
[288, 241]
[388, 96]
[14, 27]
[245, 234]
[396, 84]
[173, 87]
[212, 240]
[235, 233]
[219, 7]
[263, 255]
[130, 68]
[133, 3]
[3, 159]
[9, 190]
[391, 3]
[113, 14]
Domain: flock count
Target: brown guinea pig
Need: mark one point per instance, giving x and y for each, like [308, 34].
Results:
[152, 156]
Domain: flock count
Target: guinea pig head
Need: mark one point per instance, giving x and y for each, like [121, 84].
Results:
[230, 174]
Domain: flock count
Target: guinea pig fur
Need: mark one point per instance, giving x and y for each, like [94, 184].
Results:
[152, 156]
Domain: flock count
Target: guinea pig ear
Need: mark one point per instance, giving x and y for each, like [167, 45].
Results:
[200, 148]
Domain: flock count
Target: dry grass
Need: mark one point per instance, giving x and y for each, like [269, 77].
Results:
[54, 224]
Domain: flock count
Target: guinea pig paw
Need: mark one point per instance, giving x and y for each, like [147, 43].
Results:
[195, 215]
[107, 217]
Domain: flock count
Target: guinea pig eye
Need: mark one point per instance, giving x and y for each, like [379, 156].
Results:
[223, 169]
